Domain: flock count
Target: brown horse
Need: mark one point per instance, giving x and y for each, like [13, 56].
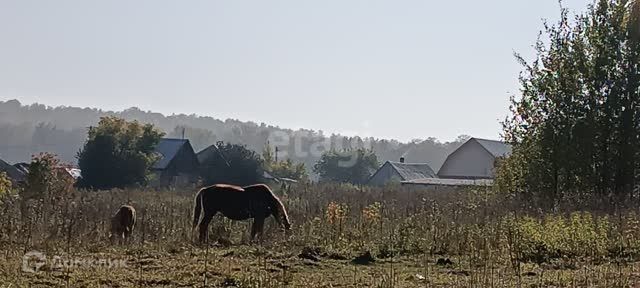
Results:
[122, 223]
[238, 203]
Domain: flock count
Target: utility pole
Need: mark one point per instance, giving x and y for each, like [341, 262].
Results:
[276, 154]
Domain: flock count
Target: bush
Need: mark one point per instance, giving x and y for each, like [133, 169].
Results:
[118, 154]
[5, 185]
[349, 166]
[233, 164]
[579, 235]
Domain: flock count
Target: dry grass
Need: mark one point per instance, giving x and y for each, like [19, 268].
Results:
[406, 231]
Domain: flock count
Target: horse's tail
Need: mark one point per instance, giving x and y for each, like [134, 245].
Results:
[280, 211]
[197, 209]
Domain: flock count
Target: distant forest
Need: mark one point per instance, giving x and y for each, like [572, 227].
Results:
[26, 130]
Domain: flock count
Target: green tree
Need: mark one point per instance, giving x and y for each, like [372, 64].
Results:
[118, 154]
[283, 169]
[233, 164]
[46, 178]
[575, 126]
[5, 184]
[47, 183]
[289, 169]
[350, 166]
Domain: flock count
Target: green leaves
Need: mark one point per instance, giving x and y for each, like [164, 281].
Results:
[118, 154]
[575, 125]
[283, 169]
[349, 166]
[5, 184]
[580, 234]
[232, 164]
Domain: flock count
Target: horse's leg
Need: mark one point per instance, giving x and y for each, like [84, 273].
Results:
[256, 228]
[204, 226]
[127, 237]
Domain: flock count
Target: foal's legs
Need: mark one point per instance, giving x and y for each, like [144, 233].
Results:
[204, 225]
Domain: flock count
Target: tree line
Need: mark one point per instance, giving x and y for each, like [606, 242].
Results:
[27, 130]
[575, 126]
[120, 154]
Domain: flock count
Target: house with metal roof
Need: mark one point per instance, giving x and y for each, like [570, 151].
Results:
[209, 152]
[15, 175]
[177, 163]
[23, 167]
[475, 159]
[65, 170]
[268, 176]
[397, 172]
[440, 182]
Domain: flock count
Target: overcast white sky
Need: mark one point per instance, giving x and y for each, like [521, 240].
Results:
[397, 69]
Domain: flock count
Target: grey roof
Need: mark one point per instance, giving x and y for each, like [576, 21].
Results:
[268, 176]
[12, 172]
[75, 173]
[23, 167]
[449, 182]
[288, 180]
[496, 148]
[411, 171]
[167, 150]
[207, 152]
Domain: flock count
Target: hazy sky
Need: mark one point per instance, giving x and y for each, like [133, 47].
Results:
[398, 69]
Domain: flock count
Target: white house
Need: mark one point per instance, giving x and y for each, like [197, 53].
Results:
[475, 159]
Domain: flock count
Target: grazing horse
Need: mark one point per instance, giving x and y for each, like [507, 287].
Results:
[238, 203]
[122, 223]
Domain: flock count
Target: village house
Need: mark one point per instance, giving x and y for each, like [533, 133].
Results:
[440, 183]
[23, 167]
[207, 153]
[397, 172]
[72, 173]
[15, 175]
[177, 165]
[475, 159]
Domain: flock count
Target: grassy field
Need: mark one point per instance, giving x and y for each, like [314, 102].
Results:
[254, 266]
[343, 236]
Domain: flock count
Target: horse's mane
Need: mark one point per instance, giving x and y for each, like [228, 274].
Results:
[275, 201]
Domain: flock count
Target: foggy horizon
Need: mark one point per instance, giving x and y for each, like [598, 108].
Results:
[325, 133]
[374, 69]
